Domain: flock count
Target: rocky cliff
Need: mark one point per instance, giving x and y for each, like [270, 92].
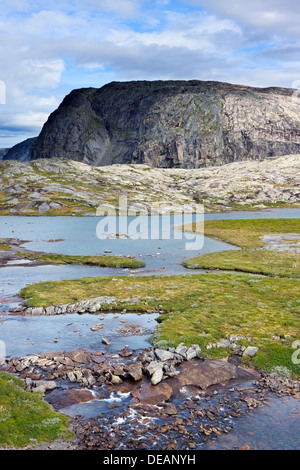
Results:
[184, 124]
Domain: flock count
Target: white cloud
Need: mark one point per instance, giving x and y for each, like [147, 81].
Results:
[46, 49]
[123, 8]
[193, 32]
[280, 18]
[41, 73]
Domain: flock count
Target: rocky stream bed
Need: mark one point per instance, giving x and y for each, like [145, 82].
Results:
[149, 399]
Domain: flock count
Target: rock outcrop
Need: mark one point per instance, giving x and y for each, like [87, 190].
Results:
[171, 124]
[65, 187]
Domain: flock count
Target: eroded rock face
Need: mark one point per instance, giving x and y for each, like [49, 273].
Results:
[169, 124]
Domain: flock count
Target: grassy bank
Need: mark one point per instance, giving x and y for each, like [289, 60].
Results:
[101, 261]
[267, 263]
[252, 258]
[200, 308]
[246, 233]
[25, 418]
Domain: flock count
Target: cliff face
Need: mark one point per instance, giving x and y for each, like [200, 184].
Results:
[185, 124]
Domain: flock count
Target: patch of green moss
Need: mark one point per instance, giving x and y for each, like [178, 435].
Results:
[25, 418]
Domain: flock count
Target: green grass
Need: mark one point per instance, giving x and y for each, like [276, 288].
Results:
[25, 418]
[102, 261]
[200, 308]
[247, 233]
[252, 258]
[267, 263]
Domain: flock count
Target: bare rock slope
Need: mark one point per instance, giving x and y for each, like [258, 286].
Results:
[171, 124]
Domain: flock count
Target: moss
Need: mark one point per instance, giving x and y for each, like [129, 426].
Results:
[25, 417]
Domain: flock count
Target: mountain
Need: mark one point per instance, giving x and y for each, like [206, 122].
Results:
[169, 124]
[3, 152]
[20, 151]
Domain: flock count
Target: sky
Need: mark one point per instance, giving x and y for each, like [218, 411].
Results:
[48, 48]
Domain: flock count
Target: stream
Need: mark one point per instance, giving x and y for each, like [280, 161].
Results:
[275, 426]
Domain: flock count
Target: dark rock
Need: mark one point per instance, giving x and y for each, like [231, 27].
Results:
[186, 124]
[135, 370]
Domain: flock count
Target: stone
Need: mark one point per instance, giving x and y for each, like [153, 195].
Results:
[181, 349]
[43, 385]
[223, 343]
[72, 377]
[163, 355]
[190, 354]
[44, 207]
[154, 395]
[157, 376]
[79, 356]
[50, 310]
[135, 371]
[87, 377]
[38, 311]
[116, 380]
[250, 351]
[203, 374]
[170, 371]
[197, 348]
[151, 368]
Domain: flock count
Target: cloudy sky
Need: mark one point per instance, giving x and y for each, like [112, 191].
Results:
[48, 48]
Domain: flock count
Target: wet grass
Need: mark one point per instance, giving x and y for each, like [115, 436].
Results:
[101, 261]
[200, 308]
[246, 233]
[269, 263]
[25, 418]
[252, 258]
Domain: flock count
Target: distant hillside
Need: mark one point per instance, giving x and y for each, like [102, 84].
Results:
[3, 152]
[20, 151]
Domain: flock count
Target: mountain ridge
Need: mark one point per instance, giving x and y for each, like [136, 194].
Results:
[171, 124]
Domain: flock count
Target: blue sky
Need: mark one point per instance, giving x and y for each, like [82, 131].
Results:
[48, 48]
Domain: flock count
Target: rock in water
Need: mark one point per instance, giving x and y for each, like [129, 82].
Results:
[167, 124]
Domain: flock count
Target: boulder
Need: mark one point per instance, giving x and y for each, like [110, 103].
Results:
[135, 371]
[43, 385]
[154, 395]
[250, 351]
[157, 376]
[163, 355]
